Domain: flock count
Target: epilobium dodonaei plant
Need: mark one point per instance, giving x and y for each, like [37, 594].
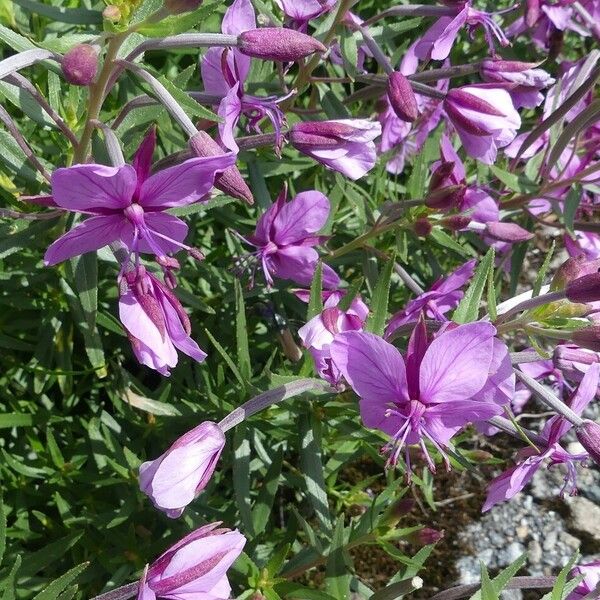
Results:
[171, 172]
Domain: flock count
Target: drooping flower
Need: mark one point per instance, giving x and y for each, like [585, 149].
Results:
[195, 568]
[438, 40]
[285, 237]
[156, 323]
[320, 331]
[443, 296]
[429, 395]
[591, 580]
[178, 475]
[344, 145]
[484, 118]
[128, 204]
[513, 480]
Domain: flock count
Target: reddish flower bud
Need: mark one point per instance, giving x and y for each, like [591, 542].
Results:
[229, 181]
[80, 64]
[584, 289]
[588, 434]
[573, 268]
[446, 198]
[278, 43]
[588, 337]
[176, 7]
[402, 97]
[422, 227]
[426, 536]
[507, 232]
[456, 222]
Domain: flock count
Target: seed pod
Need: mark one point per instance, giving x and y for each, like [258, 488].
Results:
[278, 43]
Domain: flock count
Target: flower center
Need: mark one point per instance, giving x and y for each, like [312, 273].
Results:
[135, 213]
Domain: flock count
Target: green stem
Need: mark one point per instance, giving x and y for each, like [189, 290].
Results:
[97, 94]
[361, 239]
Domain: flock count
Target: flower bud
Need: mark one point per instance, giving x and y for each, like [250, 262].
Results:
[426, 536]
[278, 43]
[80, 64]
[588, 434]
[176, 477]
[446, 198]
[229, 181]
[402, 97]
[396, 511]
[176, 7]
[422, 227]
[507, 232]
[112, 13]
[573, 268]
[588, 337]
[456, 222]
[584, 289]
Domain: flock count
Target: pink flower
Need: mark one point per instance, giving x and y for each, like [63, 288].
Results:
[321, 330]
[195, 568]
[344, 145]
[155, 321]
[484, 118]
[285, 239]
[429, 395]
[512, 481]
[128, 204]
[178, 475]
[300, 12]
[591, 580]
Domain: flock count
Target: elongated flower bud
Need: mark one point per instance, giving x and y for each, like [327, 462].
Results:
[278, 43]
[444, 193]
[507, 232]
[426, 536]
[584, 289]
[229, 181]
[176, 7]
[573, 268]
[402, 97]
[588, 434]
[422, 227]
[80, 65]
[588, 337]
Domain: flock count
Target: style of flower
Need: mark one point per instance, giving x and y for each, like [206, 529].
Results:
[513, 480]
[128, 204]
[484, 118]
[285, 238]
[320, 331]
[156, 323]
[438, 40]
[176, 477]
[429, 395]
[195, 567]
[344, 145]
[443, 296]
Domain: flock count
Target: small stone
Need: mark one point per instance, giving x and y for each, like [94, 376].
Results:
[585, 516]
[550, 541]
[535, 552]
[522, 531]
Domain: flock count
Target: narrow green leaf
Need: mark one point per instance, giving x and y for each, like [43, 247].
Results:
[241, 332]
[60, 584]
[315, 303]
[241, 476]
[73, 16]
[539, 280]
[561, 579]
[10, 593]
[8, 420]
[570, 208]
[502, 579]
[2, 529]
[487, 587]
[227, 359]
[14, 40]
[179, 23]
[190, 106]
[337, 577]
[380, 299]
[468, 309]
[491, 295]
[263, 506]
[439, 236]
[351, 294]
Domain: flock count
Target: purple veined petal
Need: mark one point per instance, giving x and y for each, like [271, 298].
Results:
[221, 590]
[306, 214]
[142, 161]
[211, 72]
[499, 389]
[354, 160]
[145, 593]
[191, 181]
[456, 279]
[449, 154]
[452, 416]
[483, 148]
[239, 17]
[230, 109]
[92, 234]
[159, 224]
[94, 188]
[442, 44]
[314, 334]
[482, 206]
[262, 235]
[457, 363]
[410, 61]
[417, 346]
[298, 264]
[374, 369]
[511, 482]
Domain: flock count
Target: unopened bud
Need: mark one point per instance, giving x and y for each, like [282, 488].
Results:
[588, 337]
[446, 198]
[422, 227]
[112, 13]
[507, 232]
[584, 289]
[195, 253]
[176, 7]
[80, 64]
[402, 97]
[456, 222]
[396, 511]
[426, 536]
[229, 181]
[588, 434]
[278, 43]
[573, 268]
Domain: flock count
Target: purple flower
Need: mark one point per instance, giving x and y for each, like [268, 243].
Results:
[128, 204]
[438, 40]
[512, 481]
[321, 330]
[429, 395]
[300, 12]
[443, 296]
[344, 145]
[591, 579]
[525, 79]
[178, 475]
[156, 323]
[484, 118]
[195, 568]
[285, 238]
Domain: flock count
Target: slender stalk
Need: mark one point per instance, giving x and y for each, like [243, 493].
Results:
[96, 98]
[121, 593]
[531, 303]
[517, 358]
[378, 54]
[418, 88]
[413, 10]
[516, 583]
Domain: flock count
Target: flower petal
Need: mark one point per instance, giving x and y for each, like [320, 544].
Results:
[306, 214]
[298, 264]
